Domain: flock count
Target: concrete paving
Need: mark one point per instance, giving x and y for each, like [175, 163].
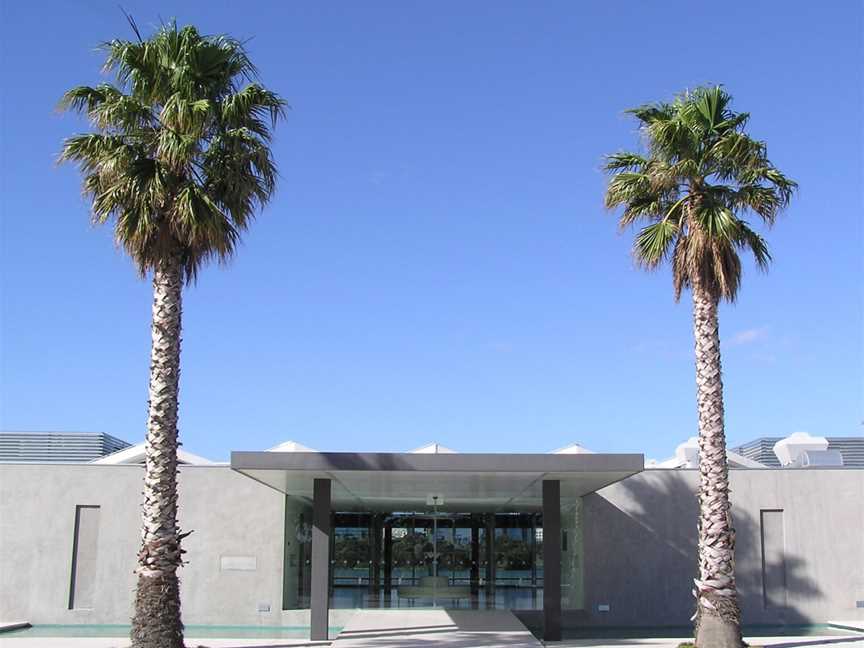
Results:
[424, 628]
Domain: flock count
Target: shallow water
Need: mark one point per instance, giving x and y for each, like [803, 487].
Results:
[684, 632]
[192, 631]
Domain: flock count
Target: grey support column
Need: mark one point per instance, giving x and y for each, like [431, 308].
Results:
[320, 600]
[475, 560]
[388, 562]
[374, 557]
[552, 560]
[489, 537]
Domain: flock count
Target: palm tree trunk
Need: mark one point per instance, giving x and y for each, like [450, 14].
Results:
[156, 622]
[718, 617]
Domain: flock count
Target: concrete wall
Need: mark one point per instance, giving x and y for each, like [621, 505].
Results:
[640, 546]
[639, 541]
[230, 515]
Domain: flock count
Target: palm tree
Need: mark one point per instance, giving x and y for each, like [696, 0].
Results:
[179, 163]
[701, 174]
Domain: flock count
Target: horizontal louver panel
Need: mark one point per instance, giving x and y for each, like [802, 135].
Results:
[762, 450]
[47, 446]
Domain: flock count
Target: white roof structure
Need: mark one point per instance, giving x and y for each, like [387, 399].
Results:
[687, 456]
[433, 448]
[788, 450]
[290, 446]
[135, 455]
[573, 448]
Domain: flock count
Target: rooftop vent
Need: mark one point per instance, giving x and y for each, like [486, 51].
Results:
[433, 448]
[687, 456]
[290, 446]
[818, 459]
[788, 450]
[573, 448]
[687, 453]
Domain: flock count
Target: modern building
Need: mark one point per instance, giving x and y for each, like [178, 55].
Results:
[58, 446]
[291, 536]
[851, 449]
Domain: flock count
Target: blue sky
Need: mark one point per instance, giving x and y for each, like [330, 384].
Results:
[437, 263]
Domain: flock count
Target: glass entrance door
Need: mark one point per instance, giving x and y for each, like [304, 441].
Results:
[444, 559]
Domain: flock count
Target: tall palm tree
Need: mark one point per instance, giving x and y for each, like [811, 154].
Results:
[701, 174]
[179, 163]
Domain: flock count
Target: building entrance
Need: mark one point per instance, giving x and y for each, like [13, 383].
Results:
[460, 560]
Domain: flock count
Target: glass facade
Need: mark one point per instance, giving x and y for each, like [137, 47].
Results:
[297, 560]
[572, 584]
[426, 559]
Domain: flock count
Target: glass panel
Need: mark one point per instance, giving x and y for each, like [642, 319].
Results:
[404, 560]
[389, 560]
[572, 562]
[458, 555]
[297, 559]
[454, 548]
[351, 559]
[351, 550]
[515, 555]
[538, 553]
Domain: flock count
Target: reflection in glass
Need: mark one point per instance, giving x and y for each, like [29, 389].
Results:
[484, 560]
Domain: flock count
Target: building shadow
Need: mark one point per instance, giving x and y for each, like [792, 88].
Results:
[640, 558]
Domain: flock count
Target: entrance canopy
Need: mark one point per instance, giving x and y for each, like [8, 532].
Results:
[385, 481]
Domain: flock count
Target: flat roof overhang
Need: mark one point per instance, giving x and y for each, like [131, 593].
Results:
[385, 481]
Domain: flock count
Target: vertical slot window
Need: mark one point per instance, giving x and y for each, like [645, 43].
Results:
[773, 559]
[85, 547]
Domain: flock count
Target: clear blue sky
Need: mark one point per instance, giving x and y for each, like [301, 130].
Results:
[437, 264]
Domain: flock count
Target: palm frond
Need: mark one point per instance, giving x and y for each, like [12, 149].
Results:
[654, 242]
[747, 239]
[249, 107]
[703, 172]
[181, 155]
[625, 161]
[627, 186]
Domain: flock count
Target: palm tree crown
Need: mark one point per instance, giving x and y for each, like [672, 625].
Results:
[702, 173]
[180, 157]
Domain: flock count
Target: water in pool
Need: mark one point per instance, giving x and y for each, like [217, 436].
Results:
[192, 631]
[685, 632]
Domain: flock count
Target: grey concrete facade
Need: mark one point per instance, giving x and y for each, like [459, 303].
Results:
[639, 546]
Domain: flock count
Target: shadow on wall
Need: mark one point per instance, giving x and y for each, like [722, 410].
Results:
[640, 547]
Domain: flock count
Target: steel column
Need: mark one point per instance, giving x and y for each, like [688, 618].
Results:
[320, 600]
[552, 560]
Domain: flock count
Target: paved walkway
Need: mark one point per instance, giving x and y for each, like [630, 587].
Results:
[406, 628]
